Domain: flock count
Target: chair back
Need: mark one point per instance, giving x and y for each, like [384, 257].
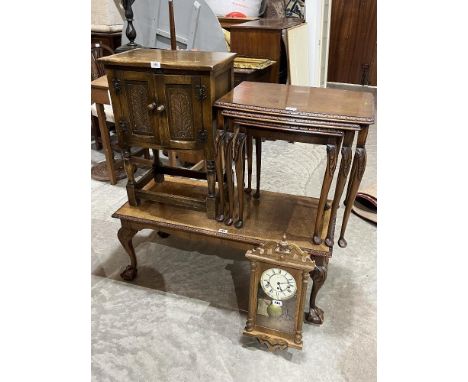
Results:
[98, 50]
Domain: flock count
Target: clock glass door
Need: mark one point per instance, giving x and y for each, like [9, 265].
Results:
[276, 299]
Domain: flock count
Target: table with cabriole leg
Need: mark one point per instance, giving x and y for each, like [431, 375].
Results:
[329, 117]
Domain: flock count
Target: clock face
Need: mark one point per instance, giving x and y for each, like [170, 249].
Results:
[278, 284]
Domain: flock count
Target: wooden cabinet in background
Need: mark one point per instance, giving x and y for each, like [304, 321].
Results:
[163, 100]
[263, 38]
[111, 39]
[352, 55]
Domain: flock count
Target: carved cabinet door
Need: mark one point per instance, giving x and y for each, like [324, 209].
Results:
[182, 117]
[135, 104]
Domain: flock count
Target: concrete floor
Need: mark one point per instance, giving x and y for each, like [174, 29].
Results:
[182, 318]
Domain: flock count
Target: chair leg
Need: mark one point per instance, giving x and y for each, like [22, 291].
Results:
[96, 132]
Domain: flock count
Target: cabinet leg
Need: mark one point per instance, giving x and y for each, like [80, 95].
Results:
[248, 190]
[319, 275]
[327, 180]
[258, 155]
[130, 171]
[125, 236]
[359, 166]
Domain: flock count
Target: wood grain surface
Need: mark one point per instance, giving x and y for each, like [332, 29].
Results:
[170, 59]
[301, 101]
[266, 219]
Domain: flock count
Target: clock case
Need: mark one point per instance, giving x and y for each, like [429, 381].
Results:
[288, 257]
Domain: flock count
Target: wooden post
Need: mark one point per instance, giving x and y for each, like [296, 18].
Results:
[172, 26]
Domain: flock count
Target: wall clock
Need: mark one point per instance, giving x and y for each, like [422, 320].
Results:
[278, 285]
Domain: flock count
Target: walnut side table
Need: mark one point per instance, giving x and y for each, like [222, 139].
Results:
[323, 116]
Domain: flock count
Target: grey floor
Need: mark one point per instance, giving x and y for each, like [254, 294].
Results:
[182, 318]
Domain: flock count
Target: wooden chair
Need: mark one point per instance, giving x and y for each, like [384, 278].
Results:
[97, 70]
[98, 51]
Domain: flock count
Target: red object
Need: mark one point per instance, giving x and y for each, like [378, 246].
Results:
[236, 15]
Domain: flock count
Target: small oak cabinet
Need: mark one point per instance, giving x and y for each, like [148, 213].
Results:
[163, 100]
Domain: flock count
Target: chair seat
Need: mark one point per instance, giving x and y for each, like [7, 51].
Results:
[107, 110]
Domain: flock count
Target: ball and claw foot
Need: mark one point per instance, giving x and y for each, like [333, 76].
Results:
[342, 242]
[129, 273]
[317, 240]
[163, 235]
[247, 190]
[329, 242]
[315, 316]
[220, 218]
[256, 195]
[239, 224]
[228, 221]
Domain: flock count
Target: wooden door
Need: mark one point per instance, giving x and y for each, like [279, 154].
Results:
[134, 102]
[182, 118]
[353, 42]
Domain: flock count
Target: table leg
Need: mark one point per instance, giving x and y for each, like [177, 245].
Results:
[319, 275]
[125, 236]
[239, 159]
[229, 177]
[258, 155]
[105, 137]
[345, 165]
[327, 180]
[248, 190]
[219, 154]
[357, 172]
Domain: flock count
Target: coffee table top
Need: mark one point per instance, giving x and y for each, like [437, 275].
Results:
[301, 102]
[267, 218]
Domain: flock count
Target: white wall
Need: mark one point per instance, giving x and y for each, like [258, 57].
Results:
[318, 56]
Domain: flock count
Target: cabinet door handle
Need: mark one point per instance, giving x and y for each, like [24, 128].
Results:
[152, 106]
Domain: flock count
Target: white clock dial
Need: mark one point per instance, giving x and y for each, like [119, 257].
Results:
[278, 284]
